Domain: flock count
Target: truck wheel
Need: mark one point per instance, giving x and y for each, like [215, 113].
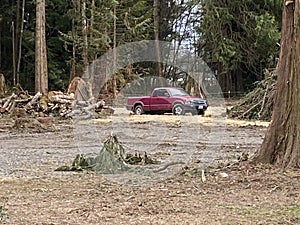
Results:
[201, 112]
[138, 110]
[178, 109]
[194, 112]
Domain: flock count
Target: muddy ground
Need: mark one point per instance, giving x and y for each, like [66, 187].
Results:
[203, 178]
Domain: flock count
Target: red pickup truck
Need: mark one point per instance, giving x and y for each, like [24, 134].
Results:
[167, 99]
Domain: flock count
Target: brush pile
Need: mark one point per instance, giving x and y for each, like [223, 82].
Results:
[258, 104]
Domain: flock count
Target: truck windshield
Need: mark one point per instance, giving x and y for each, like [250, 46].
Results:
[178, 92]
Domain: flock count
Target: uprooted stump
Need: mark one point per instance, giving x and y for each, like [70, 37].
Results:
[111, 159]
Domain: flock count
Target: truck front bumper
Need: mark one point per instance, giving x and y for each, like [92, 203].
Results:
[195, 107]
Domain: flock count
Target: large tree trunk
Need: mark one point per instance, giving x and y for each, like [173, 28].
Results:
[41, 71]
[20, 41]
[74, 38]
[14, 52]
[282, 141]
[114, 81]
[84, 35]
[156, 37]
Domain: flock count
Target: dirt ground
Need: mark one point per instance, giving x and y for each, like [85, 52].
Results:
[212, 183]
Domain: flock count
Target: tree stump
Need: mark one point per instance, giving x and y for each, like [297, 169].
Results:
[81, 89]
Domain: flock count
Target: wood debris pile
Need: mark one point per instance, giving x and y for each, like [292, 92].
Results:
[258, 104]
[56, 104]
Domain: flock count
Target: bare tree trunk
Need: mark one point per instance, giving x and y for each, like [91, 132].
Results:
[114, 82]
[14, 52]
[92, 19]
[182, 27]
[17, 35]
[41, 71]
[282, 141]
[156, 37]
[73, 60]
[84, 34]
[20, 42]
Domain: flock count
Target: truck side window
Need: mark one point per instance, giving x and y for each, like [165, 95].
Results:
[161, 92]
[156, 93]
[165, 93]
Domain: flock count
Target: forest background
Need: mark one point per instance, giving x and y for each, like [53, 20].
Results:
[238, 39]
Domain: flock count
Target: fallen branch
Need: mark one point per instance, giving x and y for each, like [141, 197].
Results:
[263, 102]
[249, 110]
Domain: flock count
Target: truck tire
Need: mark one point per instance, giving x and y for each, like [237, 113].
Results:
[178, 109]
[138, 110]
[201, 112]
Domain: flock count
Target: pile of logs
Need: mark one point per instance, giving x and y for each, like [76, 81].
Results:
[55, 104]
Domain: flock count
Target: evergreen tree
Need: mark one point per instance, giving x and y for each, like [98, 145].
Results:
[238, 39]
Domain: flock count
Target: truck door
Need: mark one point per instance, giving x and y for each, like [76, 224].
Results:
[160, 100]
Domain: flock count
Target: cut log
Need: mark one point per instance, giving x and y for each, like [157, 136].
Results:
[7, 103]
[33, 101]
[10, 98]
[55, 96]
[56, 103]
[63, 99]
[23, 100]
[11, 106]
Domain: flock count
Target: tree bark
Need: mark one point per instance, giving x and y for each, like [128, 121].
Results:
[156, 37]
[14, 52]
[41, 71]
[84, 35]
[16, 42]
[282, 140]
[114, 81]
[20, 41]
[74, 38]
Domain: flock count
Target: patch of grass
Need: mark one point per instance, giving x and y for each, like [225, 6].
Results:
[282, 215]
